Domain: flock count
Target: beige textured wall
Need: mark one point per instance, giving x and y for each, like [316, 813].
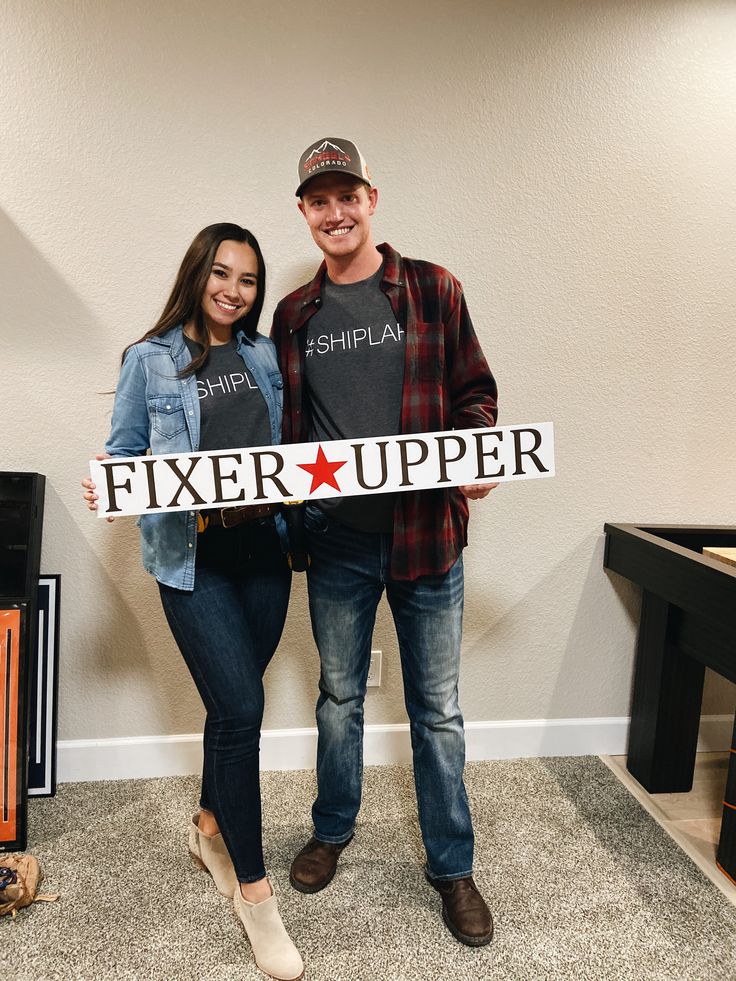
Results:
[574, 163]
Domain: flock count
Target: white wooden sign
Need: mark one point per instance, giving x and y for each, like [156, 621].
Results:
[300, 471]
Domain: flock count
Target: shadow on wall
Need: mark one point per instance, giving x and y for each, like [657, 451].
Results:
[115, 666]
[577, 628]
[596, 639]
[104, 654]
[47, 333]
[34, 294]
[573, 662]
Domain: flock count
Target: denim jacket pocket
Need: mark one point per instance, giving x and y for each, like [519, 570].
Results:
[166, 413]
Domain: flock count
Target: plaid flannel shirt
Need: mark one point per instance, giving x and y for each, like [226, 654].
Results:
[447, 385]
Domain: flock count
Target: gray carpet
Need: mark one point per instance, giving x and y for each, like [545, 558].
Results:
[583, 885]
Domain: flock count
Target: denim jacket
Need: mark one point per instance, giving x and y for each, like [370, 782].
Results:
[154, 409]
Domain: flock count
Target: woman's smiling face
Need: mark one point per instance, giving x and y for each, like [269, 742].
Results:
[232, 284]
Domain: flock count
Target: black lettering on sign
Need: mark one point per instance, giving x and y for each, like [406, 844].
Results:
[261, 476]
[359, 472]
[406, 462]
[112, 486]
[219, 477]
[444, 459]
[152, 499]
[184, 481]
[482, 453]
[519, 453]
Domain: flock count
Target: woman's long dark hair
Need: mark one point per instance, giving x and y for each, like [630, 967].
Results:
[185, 302]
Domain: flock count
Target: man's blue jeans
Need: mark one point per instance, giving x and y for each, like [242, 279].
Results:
[346, 578]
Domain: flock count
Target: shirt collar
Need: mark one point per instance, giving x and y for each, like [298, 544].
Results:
[392, 274]
[392, 266]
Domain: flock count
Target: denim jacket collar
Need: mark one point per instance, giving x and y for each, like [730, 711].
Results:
[174, 338]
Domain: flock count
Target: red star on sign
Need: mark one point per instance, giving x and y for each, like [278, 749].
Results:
[322, 471]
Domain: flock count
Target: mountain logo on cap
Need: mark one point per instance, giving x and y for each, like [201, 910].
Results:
[326, 151]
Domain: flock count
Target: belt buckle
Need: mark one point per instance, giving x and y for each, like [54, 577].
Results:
[223, 518]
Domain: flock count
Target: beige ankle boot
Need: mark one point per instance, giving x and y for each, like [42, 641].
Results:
[274, 952]
[211, 855]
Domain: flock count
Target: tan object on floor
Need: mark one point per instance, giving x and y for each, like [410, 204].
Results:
[211, 855]
[692, 818]
[727, 555]
[19, 879]
[273, 949]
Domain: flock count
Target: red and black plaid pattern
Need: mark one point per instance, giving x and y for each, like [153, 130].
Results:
[447, 385]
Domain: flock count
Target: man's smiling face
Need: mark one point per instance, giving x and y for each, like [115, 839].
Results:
[338, 210]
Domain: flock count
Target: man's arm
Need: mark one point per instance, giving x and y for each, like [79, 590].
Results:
[276, 333]
[472, 387]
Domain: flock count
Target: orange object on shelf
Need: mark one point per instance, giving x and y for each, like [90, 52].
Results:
[9, 707]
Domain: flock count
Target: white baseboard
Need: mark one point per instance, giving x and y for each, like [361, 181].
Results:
[295, 749]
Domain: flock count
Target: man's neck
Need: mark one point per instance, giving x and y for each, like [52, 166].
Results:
[354, 268]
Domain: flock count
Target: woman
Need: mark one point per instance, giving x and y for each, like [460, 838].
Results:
[203, 379]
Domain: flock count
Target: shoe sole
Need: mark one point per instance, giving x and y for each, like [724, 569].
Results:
[463, 937]
[303, 887]
[276, 977]
[457, 934]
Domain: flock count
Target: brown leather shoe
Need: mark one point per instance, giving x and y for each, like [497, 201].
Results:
[464, 910]
[315, 865]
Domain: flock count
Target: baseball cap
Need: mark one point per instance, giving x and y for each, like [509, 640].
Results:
[331, 154]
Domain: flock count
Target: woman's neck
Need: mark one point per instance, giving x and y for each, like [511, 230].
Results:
[219, 334]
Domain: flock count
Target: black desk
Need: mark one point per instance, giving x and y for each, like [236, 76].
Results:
[688, 623]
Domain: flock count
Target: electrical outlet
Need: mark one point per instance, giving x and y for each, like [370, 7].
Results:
[374, 671]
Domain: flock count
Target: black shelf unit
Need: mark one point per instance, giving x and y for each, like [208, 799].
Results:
[21, 524]
[687, 623]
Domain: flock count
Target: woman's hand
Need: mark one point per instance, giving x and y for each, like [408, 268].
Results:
[89, 487]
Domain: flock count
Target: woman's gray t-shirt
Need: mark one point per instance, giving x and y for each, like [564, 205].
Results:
[233, 412]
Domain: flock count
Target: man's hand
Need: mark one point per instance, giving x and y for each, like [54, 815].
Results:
[89, 488]
[474, 492]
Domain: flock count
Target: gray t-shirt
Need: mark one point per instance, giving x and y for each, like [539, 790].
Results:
[233, 413]
[354, 372]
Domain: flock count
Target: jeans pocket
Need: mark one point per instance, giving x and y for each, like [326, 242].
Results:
[315, 520]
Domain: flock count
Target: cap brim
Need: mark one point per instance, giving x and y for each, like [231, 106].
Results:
[330, 170]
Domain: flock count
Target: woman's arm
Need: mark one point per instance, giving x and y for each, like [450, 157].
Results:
[129, 432]
[130, 429]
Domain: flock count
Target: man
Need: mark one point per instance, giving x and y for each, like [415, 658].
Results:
[378, 344]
